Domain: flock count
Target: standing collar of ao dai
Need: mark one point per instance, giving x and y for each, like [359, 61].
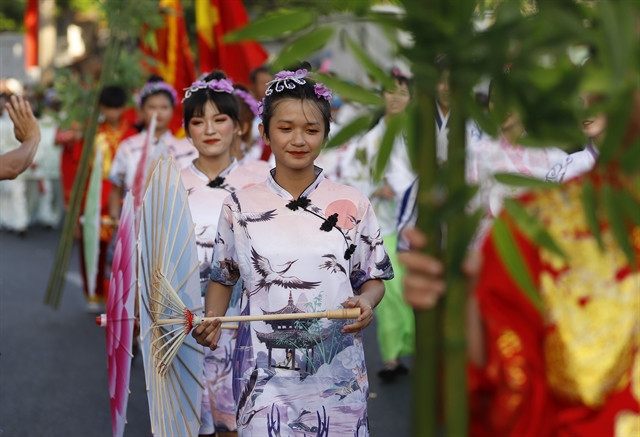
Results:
[223, 174]
[273, 185]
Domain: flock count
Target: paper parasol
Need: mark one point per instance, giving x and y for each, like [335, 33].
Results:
[119, 319]
[168, 258]
[91, 224]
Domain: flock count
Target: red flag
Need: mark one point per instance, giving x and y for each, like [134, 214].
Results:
[214, 19]
[31, 34]
[173, 55]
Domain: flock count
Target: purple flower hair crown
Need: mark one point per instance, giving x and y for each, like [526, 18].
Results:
[323, 91]
[286, 79]
[260, 108]
[153, 87]
[217, 85]
[290, 79]
[249, 100]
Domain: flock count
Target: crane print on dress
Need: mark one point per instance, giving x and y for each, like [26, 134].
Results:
[277, 277]
[372, 241]
[332, 264]
[245, 218]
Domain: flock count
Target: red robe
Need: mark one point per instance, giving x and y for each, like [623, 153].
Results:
[570, 367]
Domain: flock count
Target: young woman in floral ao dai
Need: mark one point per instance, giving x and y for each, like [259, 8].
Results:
[300, 243]
[211, 122]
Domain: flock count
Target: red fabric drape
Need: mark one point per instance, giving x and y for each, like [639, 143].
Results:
[214, 19]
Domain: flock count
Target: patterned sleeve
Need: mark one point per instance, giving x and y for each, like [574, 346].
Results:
[370, 259]
[224, 264]
[118, 170]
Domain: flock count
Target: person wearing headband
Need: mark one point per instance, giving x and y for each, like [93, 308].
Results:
[157, 98]
[299, 243]
[212, 123]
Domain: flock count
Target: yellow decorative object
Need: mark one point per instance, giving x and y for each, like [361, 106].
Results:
[509, 343]
[510, 346]
[591, 313]
[635, 373]
[627, 425]
[102, 144]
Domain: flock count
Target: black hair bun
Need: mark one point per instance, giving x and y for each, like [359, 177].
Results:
[154, 78]
[215, 75]
[301, 65]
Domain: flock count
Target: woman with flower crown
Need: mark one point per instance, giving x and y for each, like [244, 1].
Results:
[212, 123]
[156, 97]
[300, 243]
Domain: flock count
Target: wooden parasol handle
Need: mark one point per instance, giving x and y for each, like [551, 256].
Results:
[343, 313]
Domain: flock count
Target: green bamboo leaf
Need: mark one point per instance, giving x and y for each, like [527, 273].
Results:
[630, 205]
[273, 25]
[349, 131]
[618, 228]
[151, 41]
[591, 211]
[303, 46]
[369, 65]
[630, 160]
[518, 180]
[349, 91]
[617, 119]
[532, 228]
[510, 256]
[395, 124]
[614, 44]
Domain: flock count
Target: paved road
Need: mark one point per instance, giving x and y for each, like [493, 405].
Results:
[53, 376]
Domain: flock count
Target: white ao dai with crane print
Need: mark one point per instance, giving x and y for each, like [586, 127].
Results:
[301, 377]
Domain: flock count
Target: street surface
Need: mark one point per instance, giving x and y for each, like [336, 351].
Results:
[53, 374]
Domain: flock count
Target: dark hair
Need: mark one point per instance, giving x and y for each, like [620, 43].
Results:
[253, 75]
[151, 89]
[113, 96]
[302, 92]
[193, 106]
[401, 78]
[245, 113]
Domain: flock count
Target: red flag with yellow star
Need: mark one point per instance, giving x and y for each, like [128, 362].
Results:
[214, 19]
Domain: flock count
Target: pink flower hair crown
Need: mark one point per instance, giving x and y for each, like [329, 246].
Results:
[217, 85]
[249, 100]
[153, 87]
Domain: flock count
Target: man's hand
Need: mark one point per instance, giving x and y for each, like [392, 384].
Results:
[424, 280]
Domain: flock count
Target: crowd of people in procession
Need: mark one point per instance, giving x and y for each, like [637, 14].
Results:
[283, 223]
